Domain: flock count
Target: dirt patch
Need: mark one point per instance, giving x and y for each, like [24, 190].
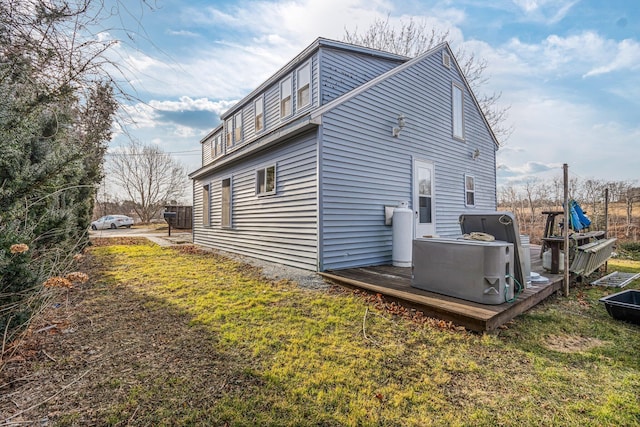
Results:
[571, 343]
[101, 352]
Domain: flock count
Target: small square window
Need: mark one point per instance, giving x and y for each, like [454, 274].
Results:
[469, 190]
[266, 181]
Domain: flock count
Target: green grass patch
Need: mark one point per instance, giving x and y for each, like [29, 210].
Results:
[309, 357]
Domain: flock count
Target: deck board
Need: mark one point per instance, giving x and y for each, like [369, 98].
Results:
[395, 283]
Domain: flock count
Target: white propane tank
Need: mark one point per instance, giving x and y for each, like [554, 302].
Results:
[525, 243]
[546, 260]
[402, 235]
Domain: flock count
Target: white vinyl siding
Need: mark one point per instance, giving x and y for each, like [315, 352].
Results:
[457, 102]
[303, 83]
[360, 175]
[469, 190]
[285, 97]
[281, 229]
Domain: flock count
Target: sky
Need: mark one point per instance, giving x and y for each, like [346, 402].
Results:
[568, 70]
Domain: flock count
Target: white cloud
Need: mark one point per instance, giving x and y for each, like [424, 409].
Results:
[550, 131]
[545, 11]
[583, 55]
[186, 103]
[625, 56]
[182, 33]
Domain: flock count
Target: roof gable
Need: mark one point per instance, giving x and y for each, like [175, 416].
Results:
[317, 113]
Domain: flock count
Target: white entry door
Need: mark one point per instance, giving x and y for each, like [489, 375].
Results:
[423, 199]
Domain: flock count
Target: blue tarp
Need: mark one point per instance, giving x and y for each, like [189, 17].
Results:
[577, 218]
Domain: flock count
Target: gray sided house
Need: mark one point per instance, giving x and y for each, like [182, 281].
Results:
[299, 172]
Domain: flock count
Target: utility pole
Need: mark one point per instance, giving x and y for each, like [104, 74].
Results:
[565, 170]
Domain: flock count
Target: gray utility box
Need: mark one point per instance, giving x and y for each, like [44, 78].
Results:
[467, 269]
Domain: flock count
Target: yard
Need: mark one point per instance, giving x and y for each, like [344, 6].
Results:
[185, 337]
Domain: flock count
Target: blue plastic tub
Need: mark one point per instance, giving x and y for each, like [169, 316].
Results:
[624, 305]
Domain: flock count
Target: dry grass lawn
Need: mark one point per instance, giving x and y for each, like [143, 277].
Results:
[183, 337]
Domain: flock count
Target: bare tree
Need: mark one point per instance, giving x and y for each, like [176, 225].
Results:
[149, 176]
[413, 39]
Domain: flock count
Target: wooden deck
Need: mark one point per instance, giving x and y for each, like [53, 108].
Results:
[395, 284]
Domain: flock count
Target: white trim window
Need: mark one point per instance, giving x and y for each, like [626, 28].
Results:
[266, 181]
[469, 190]
[216, 146]
[457, 115]
[228, 126]
[303, 81]
[206, 211]
[258, 114]
[285, 97]
[237, 129]
[211, 146]
[226, 203]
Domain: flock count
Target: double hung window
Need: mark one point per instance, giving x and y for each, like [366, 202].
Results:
[304, 86]
[285, 97]
[469, 190]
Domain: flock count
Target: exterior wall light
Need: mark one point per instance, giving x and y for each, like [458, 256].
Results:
[395, 131]
[475, 154]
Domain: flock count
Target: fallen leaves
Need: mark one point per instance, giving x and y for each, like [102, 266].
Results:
[393, 308]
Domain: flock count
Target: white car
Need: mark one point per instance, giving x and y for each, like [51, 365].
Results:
[112, 221]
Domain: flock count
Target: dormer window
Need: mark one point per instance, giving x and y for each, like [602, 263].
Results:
[237, 134]
[304, 85]
[285, 97]
[258, 108]
[228, 127]
[217, 146]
